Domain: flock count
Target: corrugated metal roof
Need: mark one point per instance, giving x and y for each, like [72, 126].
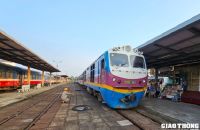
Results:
[12, 50]
[179, 45]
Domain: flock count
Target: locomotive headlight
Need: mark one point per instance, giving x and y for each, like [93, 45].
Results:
[114, 79]
[119, 81]
[144, 80]
[127, 48]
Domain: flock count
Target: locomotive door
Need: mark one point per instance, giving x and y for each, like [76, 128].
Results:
[102, 71]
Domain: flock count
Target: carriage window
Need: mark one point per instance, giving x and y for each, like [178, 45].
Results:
[25, 76]
[102, 64]
[1, 74]
[18, 76]
[33, 76]
[119, 59]
[9, 75]
[137, 62]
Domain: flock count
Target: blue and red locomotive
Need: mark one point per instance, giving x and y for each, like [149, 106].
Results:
[118, 77]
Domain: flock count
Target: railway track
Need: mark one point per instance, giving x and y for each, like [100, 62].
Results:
[139, 120]
[133, 122]
[28, 116]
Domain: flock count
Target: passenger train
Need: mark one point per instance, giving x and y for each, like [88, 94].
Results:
[118, 77]
[12, 77]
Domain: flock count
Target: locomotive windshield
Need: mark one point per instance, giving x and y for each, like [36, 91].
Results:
[137, 62]
[119, 59]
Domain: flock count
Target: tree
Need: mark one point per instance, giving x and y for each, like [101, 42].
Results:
[72, 78]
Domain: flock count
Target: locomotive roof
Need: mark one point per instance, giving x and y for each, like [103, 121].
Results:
[179, 45]
[12, 50]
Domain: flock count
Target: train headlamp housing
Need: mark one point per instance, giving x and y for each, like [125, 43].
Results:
[144, 80]
[114, 79]
[119, 81]
[127, 48]
[119, 48]
[114, 49]
[138, 52]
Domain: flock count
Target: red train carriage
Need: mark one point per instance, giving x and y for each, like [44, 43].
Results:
[12, 77]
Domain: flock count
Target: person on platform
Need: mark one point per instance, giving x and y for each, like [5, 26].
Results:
[151, 92]
[65, 95]
[157, 88]
[161, 90]
[160, 82]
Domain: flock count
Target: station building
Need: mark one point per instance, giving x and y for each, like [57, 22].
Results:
[176, 54]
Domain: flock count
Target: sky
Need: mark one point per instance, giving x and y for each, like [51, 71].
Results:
[77, 32]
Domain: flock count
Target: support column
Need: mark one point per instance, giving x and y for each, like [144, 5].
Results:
[50, 79]
[29, 75]
[42, 78]
[199, 81]
[156, 74]
[173, 83]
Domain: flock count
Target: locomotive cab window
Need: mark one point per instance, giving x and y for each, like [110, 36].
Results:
[118, 60]
[137, 62]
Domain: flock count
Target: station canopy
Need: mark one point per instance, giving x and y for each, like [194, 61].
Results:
[180, 45]
[12, 50]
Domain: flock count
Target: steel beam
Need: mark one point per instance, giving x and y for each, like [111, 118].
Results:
[175, 58]
[176, 52]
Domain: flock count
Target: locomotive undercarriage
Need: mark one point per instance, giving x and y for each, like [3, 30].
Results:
[95, 93]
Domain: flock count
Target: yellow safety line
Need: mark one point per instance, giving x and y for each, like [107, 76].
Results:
[117, 89]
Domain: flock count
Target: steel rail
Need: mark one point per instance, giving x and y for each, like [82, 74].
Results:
[16, 114]
[134, 123]
[38, 117]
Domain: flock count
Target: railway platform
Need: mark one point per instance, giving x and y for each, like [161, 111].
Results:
[7, 98]
[185, 112]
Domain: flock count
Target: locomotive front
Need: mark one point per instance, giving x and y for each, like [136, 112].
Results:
[127, 77]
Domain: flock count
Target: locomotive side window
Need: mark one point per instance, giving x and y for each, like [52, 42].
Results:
[119, 59]
[92, 73]
[137, 62]
[102, 64]
[1, 74]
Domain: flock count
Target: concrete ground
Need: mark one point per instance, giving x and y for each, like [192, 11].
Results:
[184, 112]
[100, 117]
[12, 97]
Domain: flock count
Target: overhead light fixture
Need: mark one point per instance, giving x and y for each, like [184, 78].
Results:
[164, 56]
